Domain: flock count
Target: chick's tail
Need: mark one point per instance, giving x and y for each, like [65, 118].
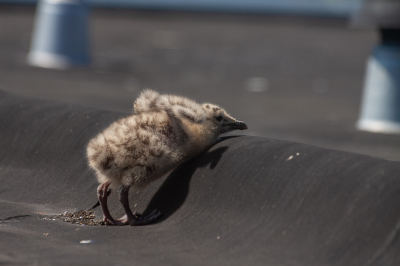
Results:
[99, 154]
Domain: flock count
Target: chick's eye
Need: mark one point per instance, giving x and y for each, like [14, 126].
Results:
[219, 118]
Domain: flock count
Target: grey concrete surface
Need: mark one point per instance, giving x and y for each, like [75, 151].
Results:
[289, 78]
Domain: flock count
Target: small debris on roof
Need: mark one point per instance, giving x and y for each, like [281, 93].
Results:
[81, 217]
[86, 242]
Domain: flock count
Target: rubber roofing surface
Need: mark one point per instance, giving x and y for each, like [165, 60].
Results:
[301, 187]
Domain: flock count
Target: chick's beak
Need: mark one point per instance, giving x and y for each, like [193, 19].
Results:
[239, 125]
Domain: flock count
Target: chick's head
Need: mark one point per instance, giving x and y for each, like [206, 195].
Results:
[221, 119]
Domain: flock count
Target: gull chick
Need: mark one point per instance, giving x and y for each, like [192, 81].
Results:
[163, 132]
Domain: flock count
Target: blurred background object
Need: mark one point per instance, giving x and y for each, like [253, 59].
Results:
[61, 36]
[377, 14]
[331, 8]
[380, 109]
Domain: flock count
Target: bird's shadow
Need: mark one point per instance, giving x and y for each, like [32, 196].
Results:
[175, 189]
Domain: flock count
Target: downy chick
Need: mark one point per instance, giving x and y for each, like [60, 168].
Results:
[163, 132]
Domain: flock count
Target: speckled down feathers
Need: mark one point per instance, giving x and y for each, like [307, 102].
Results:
[178, 106]
[164, 131]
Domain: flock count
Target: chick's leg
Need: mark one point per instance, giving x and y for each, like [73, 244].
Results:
[134, 218]
[102, 195]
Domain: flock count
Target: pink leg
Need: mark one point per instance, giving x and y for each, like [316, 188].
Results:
[102, 195]
[134, 218]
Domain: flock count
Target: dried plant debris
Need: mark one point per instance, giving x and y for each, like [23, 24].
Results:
[81, 217]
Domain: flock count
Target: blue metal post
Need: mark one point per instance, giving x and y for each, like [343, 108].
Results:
[380, 110]
[61, 36]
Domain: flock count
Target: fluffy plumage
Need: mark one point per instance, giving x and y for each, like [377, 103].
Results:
[163, 132]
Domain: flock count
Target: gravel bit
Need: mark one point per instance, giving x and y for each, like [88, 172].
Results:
[80, 217]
